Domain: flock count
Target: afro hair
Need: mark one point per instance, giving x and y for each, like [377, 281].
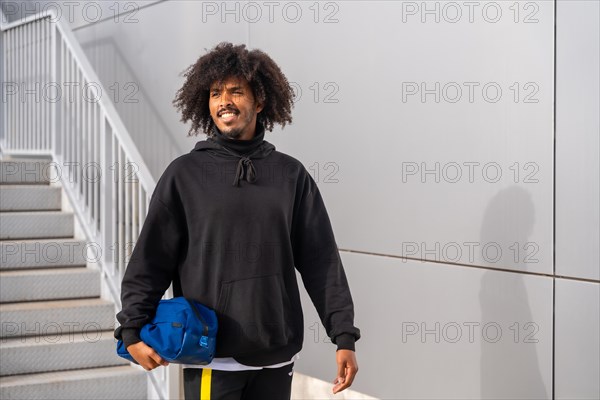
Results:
[269, 86]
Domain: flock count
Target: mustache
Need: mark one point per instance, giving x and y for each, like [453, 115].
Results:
[227, 110]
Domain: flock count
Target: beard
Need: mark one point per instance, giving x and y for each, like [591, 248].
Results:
[236, 132]
[233, 133]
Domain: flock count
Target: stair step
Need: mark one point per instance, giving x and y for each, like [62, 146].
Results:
[36, 224]
[50, 319]
[29, 197]
[27, 171]
[70, 351]
[49, 284]
[123, 382]
[42, 253]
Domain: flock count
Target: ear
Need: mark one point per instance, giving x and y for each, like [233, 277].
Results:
[259, 107]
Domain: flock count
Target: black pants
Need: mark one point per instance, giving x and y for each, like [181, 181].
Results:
[261, 384]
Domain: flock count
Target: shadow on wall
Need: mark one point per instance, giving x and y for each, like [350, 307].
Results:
[509, 366]
[149, 132]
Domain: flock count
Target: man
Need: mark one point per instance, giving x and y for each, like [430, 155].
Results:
[228, 224]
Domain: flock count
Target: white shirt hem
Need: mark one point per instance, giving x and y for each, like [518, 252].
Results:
[230, 364]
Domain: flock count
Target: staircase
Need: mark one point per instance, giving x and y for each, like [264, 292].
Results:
[56, 338]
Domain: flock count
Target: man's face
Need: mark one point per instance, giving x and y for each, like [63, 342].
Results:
[233, 108]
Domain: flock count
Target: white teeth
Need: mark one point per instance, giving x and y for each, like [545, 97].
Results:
[225, 115]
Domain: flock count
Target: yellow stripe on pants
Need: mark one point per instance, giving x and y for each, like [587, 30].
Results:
[205, 384]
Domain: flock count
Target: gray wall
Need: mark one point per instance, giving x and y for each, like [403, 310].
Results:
[467, 220]
[577, 358]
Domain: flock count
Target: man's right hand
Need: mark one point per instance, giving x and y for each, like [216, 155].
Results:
[146, 356]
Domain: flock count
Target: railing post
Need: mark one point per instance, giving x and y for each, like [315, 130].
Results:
[3, 112]
[106, 207]
[54, 78]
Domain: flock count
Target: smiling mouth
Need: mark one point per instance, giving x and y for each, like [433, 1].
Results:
[228, 116]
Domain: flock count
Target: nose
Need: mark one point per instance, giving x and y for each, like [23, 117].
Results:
[225, 99]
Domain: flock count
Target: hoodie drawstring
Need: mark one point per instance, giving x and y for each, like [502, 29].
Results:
[245, 170]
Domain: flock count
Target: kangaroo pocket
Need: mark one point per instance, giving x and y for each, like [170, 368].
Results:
[254, 314]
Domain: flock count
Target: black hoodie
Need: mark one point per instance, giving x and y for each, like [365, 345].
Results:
[227, 223]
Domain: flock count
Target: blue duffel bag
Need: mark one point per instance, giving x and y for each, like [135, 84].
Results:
[182, 331]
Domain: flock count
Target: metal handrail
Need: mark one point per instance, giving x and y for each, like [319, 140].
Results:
[70, 131]
[81, 133]
[89, 75]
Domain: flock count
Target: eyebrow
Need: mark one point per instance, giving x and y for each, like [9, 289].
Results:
[230, 88]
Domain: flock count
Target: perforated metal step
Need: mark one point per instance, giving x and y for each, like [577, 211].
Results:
[42, 253]
[50, 318]
[49, 284]
[29, 197]
[66, 352]
[123, 382]
[36, 224]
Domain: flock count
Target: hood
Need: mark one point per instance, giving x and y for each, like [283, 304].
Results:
[245, 168]
[262, 151]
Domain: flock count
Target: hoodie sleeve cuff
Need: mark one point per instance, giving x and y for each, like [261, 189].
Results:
[345, 341]
[130, 336]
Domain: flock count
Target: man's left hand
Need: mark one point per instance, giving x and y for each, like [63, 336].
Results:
[347, 369]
